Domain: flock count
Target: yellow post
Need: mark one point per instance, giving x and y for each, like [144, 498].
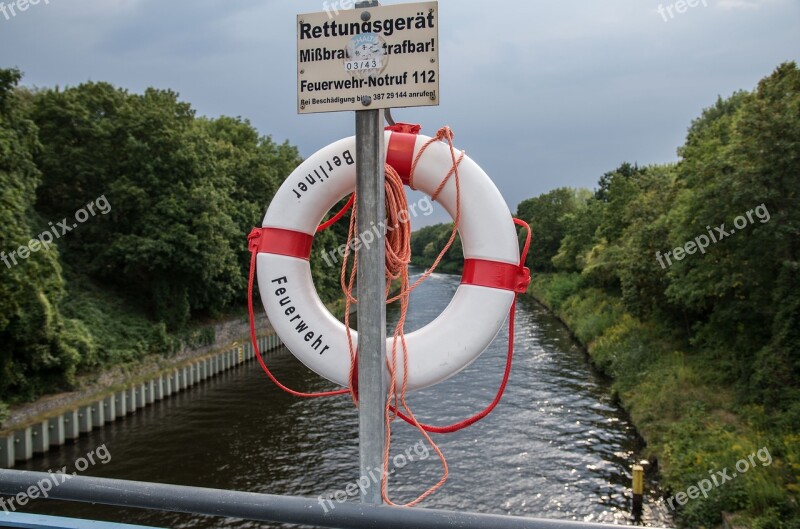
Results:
[638, 479]
[638, 491]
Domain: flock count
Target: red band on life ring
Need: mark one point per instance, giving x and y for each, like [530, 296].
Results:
[400, 154]
[285, 242]
[493, 274]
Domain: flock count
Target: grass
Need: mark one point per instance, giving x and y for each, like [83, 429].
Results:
[689, 417]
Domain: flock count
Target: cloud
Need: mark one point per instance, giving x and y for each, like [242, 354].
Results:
[740, 4]
[746, 5]
[540, 94]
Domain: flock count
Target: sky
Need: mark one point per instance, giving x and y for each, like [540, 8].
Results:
[542, 94]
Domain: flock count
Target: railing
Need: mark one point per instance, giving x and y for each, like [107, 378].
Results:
[18, 520]
[259, 507]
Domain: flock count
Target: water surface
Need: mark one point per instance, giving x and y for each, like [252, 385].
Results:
[556, 447]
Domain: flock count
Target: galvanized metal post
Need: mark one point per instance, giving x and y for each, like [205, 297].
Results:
[371, 290]
[371, 297]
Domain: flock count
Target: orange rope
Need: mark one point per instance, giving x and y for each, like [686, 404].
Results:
[445, 133]
[336, 218]
[397, 260]
[398, 257]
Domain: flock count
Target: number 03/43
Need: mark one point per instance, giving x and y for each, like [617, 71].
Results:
[425, 77]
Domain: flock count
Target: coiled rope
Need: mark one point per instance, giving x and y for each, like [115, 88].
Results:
[398, 258]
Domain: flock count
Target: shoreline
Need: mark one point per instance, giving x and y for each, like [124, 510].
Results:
[94, 386]
[649, 460]
[690, 422]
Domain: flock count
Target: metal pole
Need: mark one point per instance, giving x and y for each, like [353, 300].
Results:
[371, 290]
[371, 297]
[316, 512]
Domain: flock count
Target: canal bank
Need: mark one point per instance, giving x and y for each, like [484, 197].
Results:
[52, 421]
[689, 418]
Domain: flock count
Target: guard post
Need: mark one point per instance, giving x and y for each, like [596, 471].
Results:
[638, 491]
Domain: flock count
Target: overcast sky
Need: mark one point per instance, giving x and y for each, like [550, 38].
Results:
[542, 94]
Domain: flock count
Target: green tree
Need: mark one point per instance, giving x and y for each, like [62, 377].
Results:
[742, 157]
[170, 241]
[428, 242]
[547, 216]
[39, 348]
[257, 167]
[766, 152]
[643, 278]
[580, 234]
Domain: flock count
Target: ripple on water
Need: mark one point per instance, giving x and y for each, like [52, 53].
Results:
[556, 447]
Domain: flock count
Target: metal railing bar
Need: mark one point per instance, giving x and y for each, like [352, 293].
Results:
[266, 507]
[19, 520]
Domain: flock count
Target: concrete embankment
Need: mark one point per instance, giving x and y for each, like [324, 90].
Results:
[49, 427]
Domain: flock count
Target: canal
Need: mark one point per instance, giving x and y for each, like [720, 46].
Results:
[557, 446]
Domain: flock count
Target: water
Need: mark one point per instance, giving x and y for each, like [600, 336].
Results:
[556, 447]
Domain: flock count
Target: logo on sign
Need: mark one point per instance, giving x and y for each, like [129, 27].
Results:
[365, 55]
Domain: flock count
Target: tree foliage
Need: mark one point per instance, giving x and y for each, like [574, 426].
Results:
[428, 242]
[548, 216]
[38, 347]
[182, 192]
[738, 296]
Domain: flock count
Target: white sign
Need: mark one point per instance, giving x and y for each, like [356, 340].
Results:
[360, 59]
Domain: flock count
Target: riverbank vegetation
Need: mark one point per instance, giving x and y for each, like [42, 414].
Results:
[140, 211]
[427, 243]
[683, 282]
[697, 323]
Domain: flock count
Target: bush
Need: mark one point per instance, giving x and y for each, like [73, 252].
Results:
[591, 313]
[4, 413]
[554, 289]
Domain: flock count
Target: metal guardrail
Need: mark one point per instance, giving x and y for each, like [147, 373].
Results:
[265, 507]
[18, 520]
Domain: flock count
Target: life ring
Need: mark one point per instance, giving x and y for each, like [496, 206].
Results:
[492, 273]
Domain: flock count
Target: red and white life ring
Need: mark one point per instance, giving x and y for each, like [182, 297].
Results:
[465, 328]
